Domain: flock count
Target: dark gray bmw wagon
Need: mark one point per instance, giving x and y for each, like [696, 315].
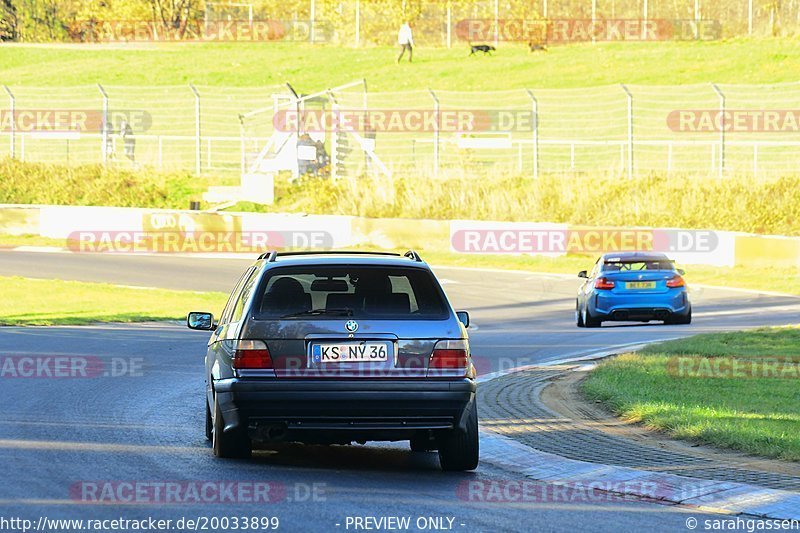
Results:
[336, 348]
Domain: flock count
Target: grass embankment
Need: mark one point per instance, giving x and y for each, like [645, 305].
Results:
[735, 203]
[39, 183]
[312, 68]
[721, 389]
[38, 302]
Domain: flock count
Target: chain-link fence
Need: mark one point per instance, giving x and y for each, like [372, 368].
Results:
[704, 129]
[370, 22]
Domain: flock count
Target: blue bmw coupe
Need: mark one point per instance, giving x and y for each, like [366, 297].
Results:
[632, 286]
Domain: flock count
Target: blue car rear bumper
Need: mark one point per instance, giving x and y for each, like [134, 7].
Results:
[612, 306]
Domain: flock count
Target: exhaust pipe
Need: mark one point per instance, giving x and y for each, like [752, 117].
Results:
[661, 314]
[272, 433]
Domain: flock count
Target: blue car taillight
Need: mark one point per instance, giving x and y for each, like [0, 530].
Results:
[676, 281]
[604, 284]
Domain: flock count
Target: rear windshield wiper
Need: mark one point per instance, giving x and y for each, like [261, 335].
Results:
[344, 311]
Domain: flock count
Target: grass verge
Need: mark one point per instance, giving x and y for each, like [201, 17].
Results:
[735, 203]
[690, 389]
[39, 302]
[40, 183]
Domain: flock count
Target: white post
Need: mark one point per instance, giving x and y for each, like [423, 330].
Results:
[313, 10]
[644, 11]
[721, 128]
[544, 9]
[105, 125]
[358, 23]
[755, 160]
[630, 130]
[12, 110]
[197, 149]
[669, 158]
[496, 22]
[242, 156]
[535, 109]
[435, 134]
[449, 25]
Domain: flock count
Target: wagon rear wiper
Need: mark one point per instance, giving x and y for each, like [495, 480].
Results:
[344, 311]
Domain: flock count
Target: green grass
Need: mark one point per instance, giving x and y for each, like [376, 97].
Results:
[312, 68]
[756, 415]
[40, 183]
[735, 203]
[37, 302]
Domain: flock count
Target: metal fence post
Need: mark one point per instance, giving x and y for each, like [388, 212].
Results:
[358, 23]
[630, 130]
[104, 132]
[535, 109]
[312, 14]
[721, 128]
[197, 147]
[496, 22]
[12, 109]
[449, 24]
[435, 134]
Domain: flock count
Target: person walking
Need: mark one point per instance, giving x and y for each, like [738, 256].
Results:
[406, 41]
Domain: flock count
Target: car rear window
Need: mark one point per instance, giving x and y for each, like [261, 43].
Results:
[616, 266]
[352, 291]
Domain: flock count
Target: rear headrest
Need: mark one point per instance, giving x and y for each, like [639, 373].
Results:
[387, 304]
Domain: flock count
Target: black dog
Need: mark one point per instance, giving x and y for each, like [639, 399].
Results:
[485, 48]
[537, 47]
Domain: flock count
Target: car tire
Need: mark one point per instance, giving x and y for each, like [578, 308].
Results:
[685, 319]
[589, 321]
[231, 445]
[209, 423]
[459, 450]
[579, 316]
[422, 442]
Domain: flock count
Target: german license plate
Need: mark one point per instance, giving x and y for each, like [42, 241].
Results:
[640, 285]
[362, 352]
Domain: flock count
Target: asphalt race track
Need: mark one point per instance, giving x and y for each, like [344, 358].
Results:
[66, 440]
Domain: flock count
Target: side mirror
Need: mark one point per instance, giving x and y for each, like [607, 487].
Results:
[463, 317]
[583, 274]
[200, 320]
[681, 271]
